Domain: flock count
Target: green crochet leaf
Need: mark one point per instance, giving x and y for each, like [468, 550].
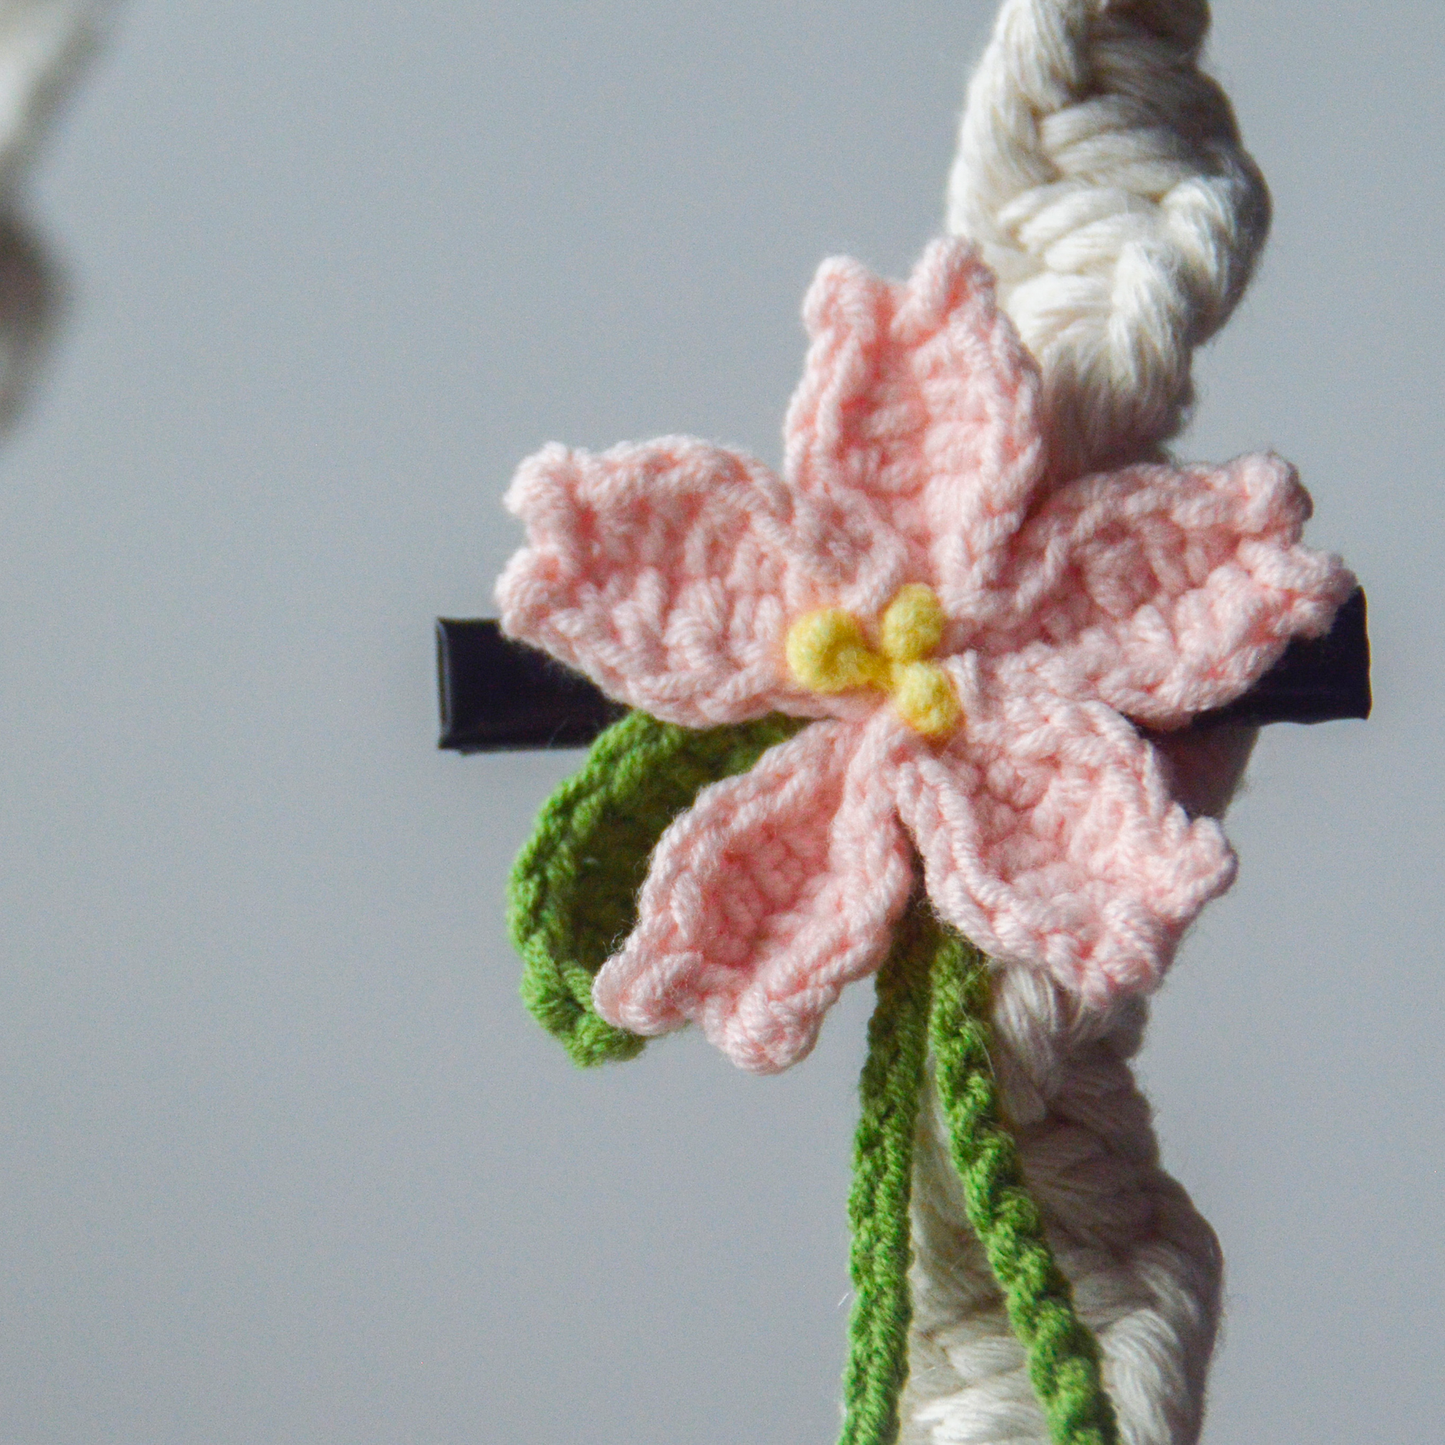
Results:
[573, 899]
[573, 892]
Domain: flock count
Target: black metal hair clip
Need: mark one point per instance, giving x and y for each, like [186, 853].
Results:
[498, 695]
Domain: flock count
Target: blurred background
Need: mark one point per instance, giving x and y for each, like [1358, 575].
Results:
[281, 1157]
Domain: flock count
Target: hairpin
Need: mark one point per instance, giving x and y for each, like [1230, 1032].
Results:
[934, 705]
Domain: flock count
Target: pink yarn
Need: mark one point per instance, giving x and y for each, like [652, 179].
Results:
[671, 572]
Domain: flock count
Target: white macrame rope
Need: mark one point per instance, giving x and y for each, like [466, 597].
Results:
[1144, 1266]
[1102, 174]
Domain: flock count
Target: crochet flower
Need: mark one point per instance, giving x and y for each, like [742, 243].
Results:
[968, 644]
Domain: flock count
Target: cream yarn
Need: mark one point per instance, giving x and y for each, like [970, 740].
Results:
[1144, 1265]
[1103, 177]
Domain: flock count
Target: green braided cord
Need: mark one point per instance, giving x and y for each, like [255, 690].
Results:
[572, 898]
[889, 1091]
[1063, 1356]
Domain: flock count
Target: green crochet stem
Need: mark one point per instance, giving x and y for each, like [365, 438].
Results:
[573, 892]
[889, 1090]
[573, 898]
[1063, 1356]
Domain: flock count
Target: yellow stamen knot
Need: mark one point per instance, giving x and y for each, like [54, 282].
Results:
[829, 652]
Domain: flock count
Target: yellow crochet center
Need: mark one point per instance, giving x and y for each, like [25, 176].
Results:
[828, 652]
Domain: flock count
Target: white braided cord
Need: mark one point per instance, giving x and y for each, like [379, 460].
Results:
[1102, 174]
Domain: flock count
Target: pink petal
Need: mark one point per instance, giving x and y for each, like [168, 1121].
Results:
[670, 571]
[922, 397]
[1048, 837]
[775, 890]
[1163, 591]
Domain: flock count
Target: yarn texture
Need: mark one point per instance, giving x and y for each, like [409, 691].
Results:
[1063, 1357]
[935, 987]
[889, 721]
[675, 574]
[574, 887]
[878, 1203]
[1102, 175]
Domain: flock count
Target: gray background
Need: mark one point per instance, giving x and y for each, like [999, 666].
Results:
[281, 1157]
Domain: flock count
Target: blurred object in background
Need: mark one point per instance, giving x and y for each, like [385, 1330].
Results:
[44, 45]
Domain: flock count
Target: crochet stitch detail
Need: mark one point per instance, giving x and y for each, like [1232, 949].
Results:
[573, 889]
[934, 989]
[671, 572]
[878, 1203]
[1063, 1355]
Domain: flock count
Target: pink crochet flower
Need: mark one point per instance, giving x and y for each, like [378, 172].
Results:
[970, 645]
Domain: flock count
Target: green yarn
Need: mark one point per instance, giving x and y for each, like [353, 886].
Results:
[882, 1185]
[934, 989]
[882, 1250]
[572, 897]
[1063, 1356]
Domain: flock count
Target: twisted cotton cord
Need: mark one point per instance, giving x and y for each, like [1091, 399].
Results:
[1143, 1266]
[1103, 177]
[935, 988]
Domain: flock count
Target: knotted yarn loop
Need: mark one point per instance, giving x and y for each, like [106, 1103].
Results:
[829, 652]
